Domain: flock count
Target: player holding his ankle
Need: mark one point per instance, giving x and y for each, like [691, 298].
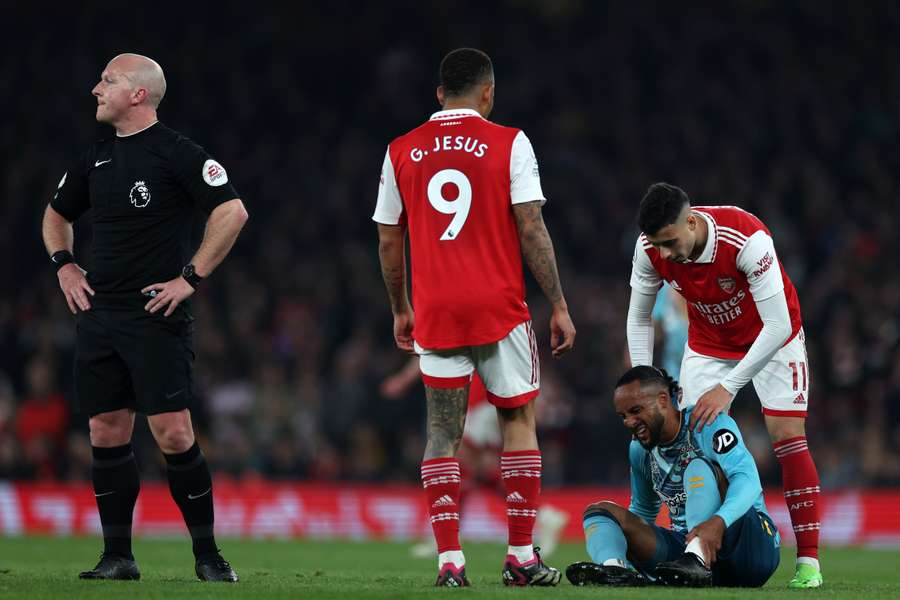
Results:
[721, 533]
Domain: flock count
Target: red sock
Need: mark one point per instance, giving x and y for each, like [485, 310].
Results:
[522, 478]
[441, 481]
[801, 493]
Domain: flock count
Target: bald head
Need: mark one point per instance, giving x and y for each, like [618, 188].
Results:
[144, 72]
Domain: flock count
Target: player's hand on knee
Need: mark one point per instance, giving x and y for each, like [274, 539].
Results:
[75, 287]
[169, 294]
[562, 332]
[709, 406]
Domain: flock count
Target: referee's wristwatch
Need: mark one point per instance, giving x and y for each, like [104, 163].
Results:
[190, 275]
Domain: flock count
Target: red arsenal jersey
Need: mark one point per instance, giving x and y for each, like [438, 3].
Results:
[737, 268]
[452, 181]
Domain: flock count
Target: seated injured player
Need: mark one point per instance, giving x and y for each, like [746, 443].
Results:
[721, 533]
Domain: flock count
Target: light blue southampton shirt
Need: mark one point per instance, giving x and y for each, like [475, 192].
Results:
[657, 475]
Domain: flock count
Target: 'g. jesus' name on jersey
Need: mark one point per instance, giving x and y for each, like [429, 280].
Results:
[142, 191]
[737, 268]
[452, 181]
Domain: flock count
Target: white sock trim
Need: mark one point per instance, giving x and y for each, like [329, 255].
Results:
[522, 553]
[452, 556]
[614, 562]
[694, 547]
[809, 560]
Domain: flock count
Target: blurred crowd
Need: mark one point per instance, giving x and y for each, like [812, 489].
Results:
[790, 110]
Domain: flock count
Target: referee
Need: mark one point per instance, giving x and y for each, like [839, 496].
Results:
[134, 326]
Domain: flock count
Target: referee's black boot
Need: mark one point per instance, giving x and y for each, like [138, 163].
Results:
[112, 566]
[685, 571]
[212, 567]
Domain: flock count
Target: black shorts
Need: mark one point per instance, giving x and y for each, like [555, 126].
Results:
[129, 358]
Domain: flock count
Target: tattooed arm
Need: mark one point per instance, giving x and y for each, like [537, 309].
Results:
[537, 248]
[391, 253]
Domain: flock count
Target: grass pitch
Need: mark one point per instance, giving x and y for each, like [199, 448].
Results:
[37, 568]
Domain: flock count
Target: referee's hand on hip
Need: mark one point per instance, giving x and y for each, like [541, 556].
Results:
[171, 293]
[75, 287]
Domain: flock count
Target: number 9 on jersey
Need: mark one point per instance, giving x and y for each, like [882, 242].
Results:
[459, 207]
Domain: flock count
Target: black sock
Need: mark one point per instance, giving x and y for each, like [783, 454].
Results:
[191, 487]
[116, 486]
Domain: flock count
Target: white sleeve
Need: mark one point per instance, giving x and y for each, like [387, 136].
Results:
[776, 330]
[644, 278]
[524, 177]
[757, 260]
[389, 206]
[639, 328]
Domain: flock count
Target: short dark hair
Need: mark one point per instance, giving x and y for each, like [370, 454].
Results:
[661, 206]
[463, 69]
[648, 375]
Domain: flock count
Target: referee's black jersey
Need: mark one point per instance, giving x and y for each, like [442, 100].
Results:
[142, 191]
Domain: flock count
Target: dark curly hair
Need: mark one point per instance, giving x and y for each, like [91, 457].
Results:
[647, 374]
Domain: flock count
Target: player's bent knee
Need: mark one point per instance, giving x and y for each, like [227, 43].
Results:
[605, 508]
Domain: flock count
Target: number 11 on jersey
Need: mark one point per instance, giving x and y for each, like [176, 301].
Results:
[459, 207]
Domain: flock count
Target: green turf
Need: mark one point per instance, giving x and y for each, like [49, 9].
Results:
[36, 568]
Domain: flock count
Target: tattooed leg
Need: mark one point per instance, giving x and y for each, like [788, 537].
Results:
[446, 419]
[441, 475]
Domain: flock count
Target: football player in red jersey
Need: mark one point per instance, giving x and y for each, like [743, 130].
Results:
[467, 192]
[744, 324]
